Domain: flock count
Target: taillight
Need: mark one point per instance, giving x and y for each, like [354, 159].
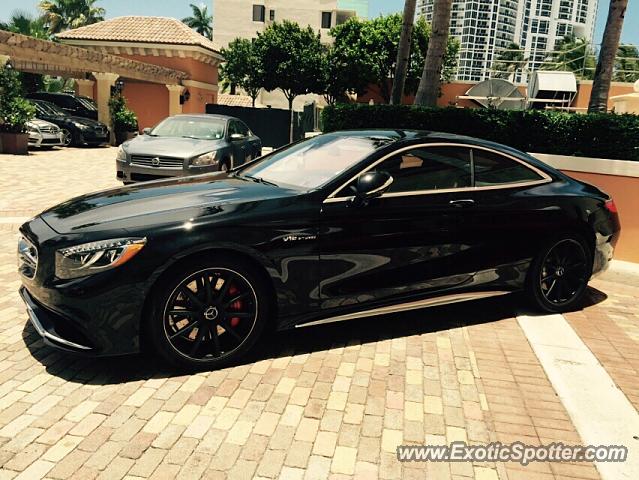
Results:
[610, 206]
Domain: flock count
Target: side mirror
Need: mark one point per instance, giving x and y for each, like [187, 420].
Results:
[237, 136]
[146, 131]
[371, 185]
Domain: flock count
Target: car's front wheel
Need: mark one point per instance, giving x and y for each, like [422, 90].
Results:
[558, 276]
[209, 313]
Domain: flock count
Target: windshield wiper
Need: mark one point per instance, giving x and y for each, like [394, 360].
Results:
[259, 180]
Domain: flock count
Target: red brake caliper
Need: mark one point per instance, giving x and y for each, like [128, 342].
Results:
[236, 305]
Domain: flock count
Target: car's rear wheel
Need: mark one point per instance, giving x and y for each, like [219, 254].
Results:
[209, 314]
[558, 276]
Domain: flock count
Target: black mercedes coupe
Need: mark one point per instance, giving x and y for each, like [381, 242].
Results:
[344, 225]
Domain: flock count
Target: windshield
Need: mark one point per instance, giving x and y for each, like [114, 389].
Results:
[190, 127]
[46, 108]
[313, 162]
[87, 103]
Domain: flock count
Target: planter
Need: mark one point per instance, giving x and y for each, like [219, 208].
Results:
[121, 137]
[15, 143]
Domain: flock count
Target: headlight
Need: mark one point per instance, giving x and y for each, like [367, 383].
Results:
[206, 159]
[95, 257]
[121, 156]
[81, 126]
[33, 128]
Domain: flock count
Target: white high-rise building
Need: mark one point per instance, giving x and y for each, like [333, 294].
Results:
[486, 27]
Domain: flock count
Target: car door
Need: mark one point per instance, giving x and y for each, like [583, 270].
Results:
[412, 240]
[508, 219]
[238, 142]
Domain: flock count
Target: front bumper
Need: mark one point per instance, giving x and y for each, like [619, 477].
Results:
[45, 139]
[93, 137]
[128, 173]
[53, 328]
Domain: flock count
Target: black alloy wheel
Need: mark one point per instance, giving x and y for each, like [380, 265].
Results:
[559, 275]
[210, 316]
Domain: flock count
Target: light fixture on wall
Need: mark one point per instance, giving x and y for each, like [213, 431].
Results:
[185, 97]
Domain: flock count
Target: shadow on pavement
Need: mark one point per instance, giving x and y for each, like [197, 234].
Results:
[114, 370]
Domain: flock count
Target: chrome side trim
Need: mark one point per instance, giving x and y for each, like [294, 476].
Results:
[402, 307]
[545, 177]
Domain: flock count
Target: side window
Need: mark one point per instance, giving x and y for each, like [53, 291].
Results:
[494, 169]
[242, 128]
[426, 168]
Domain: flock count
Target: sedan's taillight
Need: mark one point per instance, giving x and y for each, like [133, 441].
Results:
[610, 206]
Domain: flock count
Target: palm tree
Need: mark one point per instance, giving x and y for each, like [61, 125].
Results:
[430, 83]
[606, 63]
[26, 24]
[573, 54]
[403, 52]
[65, 14]
[509, 62]
[200, 21]
[627, 64]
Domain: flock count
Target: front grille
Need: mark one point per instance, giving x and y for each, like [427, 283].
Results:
[27, 258]
[157, 162]
[49, 129]
[53, 141]
[100, 131]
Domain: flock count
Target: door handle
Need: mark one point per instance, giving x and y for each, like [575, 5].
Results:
[466, 202]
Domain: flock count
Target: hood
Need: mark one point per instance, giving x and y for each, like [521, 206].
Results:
[85, 121]
[170, 146]
[40, 123]
[157, 203]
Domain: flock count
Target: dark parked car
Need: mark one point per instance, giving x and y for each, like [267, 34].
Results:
[340, 226]
[74, 105]
[187, 145]
[75, 130]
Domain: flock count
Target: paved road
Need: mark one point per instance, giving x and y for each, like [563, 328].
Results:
[328, 402]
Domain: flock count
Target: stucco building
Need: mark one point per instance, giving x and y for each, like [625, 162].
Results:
[162, 41]
[245, 18]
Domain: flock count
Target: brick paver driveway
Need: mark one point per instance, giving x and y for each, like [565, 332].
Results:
[327, 402]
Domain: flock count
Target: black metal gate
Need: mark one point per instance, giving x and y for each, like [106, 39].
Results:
[270, 124]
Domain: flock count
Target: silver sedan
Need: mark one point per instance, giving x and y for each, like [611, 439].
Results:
[185, 145]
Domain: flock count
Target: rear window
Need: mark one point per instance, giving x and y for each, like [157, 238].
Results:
[494, 169]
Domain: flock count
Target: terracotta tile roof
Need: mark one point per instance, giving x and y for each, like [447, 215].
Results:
[162, 30]
[236, 100]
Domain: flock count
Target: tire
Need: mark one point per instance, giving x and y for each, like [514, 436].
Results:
[215, 331]
[558, 276]
[225, 165]
[68, 139]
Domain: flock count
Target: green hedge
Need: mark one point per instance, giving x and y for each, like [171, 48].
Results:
[540, 131]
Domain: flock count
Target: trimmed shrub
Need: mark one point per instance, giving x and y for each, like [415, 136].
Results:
[598, 135]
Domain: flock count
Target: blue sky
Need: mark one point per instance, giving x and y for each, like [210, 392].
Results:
[180, 8]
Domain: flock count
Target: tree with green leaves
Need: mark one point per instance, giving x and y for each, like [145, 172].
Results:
[62, 15]
[365, 52]
[200, 20]
[15, 111]
[430, 82]
[26, 24]
[573, 54]
[291, 59]
[241, 68]
[509, 62]
[626, 64]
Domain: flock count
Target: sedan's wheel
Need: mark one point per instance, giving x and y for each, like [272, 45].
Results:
[67, 137]
[559, 275]
[210, 316]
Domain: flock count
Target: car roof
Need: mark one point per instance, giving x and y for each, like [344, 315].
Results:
[410, 136]
[208, 115]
